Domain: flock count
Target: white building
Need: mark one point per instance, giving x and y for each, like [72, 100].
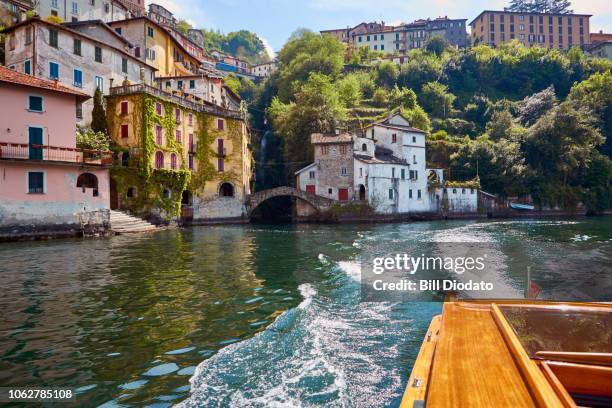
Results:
[264, 70]
[389, 173]
[83, 56]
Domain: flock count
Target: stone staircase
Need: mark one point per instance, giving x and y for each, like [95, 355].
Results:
[122, 223]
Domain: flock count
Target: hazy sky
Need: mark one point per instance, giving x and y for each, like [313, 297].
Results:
[275, 20]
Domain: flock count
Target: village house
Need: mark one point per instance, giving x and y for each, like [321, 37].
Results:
[47, 185]
[177, 156]
[347, 35]
[384, 168]
[13, 11]
[265, 69]
[229, 63]
[83, 56]
[79, 10]
[155, 46]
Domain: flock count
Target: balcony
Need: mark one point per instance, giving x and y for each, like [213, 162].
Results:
[54, 154]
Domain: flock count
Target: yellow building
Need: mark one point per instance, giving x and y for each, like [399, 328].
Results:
[177, 156]
[561, 31]
[157, 47]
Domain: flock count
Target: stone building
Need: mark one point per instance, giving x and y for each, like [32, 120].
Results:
[177, 156]
[49, 186]
[83, 56]
[264, 70]
[384, 168]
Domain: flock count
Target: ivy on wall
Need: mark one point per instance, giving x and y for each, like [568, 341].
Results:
[163, 188]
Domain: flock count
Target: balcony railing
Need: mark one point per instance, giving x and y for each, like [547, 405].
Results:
[35, 152]
[198, 107]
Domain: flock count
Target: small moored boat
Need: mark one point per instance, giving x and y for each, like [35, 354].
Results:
[522, 207]
[514, 354]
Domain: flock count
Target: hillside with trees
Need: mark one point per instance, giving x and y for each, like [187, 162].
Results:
[525, 120]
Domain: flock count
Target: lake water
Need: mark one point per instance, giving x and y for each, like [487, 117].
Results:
[254, 316]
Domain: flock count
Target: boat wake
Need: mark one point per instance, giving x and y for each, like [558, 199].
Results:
[331, 350]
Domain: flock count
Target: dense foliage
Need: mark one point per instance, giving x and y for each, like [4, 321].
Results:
[527, 121]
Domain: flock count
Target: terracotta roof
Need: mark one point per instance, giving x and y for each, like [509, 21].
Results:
[14, 77]
[320, 138]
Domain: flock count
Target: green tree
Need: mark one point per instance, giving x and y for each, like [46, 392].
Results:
[349, 90]
[304, 55]
[317, 108]
[380, 97]
[436, 99]
[183, 26]
[533, 107]
[403, 97]
[597, 184]
[500, 125]
[437, 45]
[418, 118]
[388, 73]
[98, 115]
[92, 140]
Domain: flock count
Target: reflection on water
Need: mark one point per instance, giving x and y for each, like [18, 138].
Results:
[257, 315]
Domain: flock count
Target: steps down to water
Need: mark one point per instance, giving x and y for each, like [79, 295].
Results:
[122, 223]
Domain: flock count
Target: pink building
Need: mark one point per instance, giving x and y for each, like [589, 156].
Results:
[47, 185]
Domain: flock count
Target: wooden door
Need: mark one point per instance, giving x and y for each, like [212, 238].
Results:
[36, 140]
[310, 188]
[343, 194]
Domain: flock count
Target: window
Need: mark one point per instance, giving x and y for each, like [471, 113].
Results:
[35, 103]
[36, 182]
[382, 47]
[173, 161]
[130, 192]
[403, 174]
[124, 65]
[137, 52]
[324, 150]
[364, 147]
[343, 171]
[54, 3]
[27, 67]
[12, 42]
[394, 138]
[53, 38]
[191, 162]
[410, 194]
[28, 35]
[419, 194]
[76, 46]
[158, 134]
[79, 111]
[191, 84]
[75, 7]
[77, 78]
[393, 172]
[150, 32]
[190, 119]
[158, 108]
[98, 54]
[220, 124]
[53, 70]
[342, 149]
[150, 53]
[124, 107]
[100, 83]
[159, 160]
[454, 191]
[390, 194]
[311, 175]
[118, 30]
[413, 139]
[177, 116]
[220, 165]
[179, 84]
[414, 159]
[125, 159]
[124, 131]
[178, 136]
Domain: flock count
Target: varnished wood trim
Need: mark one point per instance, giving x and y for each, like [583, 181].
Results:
[575, 357]
[537, 384]
[583, 378]
[422, 365]
[562, 393]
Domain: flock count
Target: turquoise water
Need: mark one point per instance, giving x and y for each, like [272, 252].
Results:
[250, 316]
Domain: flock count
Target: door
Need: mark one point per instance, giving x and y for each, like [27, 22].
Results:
[310, 188]
[35, 142]
[114, 198]
[343, 194]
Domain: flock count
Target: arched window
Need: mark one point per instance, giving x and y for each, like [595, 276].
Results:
[88, 180]
[364, 147]
[226, 190]
[173, 161]
[159, 160]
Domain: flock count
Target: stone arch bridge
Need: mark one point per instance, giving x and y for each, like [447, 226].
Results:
[321, 204]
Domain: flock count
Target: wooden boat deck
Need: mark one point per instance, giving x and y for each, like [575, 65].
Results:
[473, 365]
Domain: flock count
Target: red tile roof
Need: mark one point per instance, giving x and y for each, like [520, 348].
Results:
[14, 77]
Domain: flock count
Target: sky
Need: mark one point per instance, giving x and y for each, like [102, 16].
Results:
[274, 20]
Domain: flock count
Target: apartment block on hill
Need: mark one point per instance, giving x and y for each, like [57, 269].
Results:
[561, 31]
